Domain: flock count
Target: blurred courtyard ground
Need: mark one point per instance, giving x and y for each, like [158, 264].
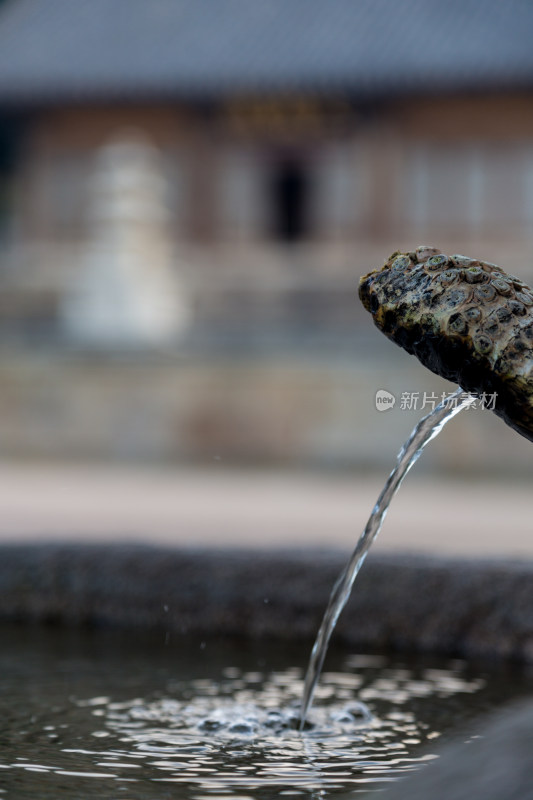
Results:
[256, 508]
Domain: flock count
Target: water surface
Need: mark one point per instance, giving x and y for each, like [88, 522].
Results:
[105, 714]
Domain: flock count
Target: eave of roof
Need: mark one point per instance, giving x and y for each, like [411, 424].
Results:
[54, 51]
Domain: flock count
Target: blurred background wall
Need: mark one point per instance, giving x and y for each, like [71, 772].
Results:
[190, 192]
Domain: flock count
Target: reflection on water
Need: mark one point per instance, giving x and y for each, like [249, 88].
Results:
[107, 715]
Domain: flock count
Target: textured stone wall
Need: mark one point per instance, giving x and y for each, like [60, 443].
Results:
[293, 410]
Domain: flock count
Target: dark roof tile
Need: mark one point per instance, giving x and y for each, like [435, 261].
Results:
[52, 50]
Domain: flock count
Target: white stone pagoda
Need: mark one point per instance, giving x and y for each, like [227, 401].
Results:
[126, 292]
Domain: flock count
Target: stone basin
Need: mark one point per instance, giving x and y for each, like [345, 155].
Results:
[461, 608]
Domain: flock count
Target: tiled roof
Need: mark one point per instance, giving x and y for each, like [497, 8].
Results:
[53, 50]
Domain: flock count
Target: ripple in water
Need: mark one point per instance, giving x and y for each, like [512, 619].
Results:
[238, 736]
[243, 731]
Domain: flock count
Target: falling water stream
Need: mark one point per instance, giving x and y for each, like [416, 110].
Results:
[426, 430]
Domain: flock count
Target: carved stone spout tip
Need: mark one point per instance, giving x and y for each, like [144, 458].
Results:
[465, 319]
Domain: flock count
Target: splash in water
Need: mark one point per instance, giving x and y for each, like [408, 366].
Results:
[426, 430]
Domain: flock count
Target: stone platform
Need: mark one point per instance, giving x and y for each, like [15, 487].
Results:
[493, 760]
[221, 507]
[459, 607]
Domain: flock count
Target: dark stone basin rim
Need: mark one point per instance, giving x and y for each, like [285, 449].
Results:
[462, 607]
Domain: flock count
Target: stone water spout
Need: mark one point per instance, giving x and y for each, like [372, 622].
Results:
[469, 322]
[466, 320]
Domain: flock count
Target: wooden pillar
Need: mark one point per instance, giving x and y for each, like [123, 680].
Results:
[202, 182]
[380, 158]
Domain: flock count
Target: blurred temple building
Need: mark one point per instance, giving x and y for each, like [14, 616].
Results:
[294, 143]
[301, 140]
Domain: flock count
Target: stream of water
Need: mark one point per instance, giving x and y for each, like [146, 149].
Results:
[426, 430]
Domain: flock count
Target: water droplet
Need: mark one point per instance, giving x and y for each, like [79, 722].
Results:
[242, 727]
[210, 725]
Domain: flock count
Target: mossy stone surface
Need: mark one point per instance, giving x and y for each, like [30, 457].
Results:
[465, 319]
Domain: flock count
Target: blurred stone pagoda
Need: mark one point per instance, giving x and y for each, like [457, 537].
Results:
[125, 292]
